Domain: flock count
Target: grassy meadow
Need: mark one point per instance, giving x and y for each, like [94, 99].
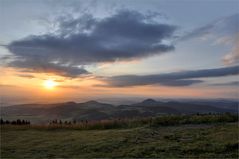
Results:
[198, 136]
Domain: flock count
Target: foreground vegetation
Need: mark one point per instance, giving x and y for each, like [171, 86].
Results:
[164, 120]
[194, 136]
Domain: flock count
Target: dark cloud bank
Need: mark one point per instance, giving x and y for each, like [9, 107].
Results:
[183, 78]
[125, 35]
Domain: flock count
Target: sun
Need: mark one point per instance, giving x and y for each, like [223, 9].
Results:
[49, 84]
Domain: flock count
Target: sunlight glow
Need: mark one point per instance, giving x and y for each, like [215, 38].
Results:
[49, 84]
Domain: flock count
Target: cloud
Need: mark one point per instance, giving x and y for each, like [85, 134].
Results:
[180, 82]
[221, 27]
[80, 41]
[233, 83]
[233, 56]
[69, 86]
[183, 78]
[7, 86]
[38, 66]
[224, 31]
[26, 76]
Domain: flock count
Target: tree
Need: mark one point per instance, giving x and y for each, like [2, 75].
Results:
[19, 122]
[2, 122]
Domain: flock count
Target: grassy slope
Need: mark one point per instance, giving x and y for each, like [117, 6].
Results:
[214, 141]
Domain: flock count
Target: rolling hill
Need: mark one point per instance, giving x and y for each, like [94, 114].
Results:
[93, 110]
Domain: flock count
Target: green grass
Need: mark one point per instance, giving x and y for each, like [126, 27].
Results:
[215, 140]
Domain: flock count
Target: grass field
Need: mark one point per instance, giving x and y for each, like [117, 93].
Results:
[218, 140]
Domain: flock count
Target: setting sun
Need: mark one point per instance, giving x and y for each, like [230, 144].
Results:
[49, 84]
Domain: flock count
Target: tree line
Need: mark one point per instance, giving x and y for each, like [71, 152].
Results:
[15, 122]
[56, 122]
[51, 122]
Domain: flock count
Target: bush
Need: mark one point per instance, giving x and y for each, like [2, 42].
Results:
[194, 119]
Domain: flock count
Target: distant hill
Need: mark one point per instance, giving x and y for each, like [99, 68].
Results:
[93, 110]
[220, 103]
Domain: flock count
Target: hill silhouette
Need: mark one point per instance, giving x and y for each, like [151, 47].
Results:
[93, 110]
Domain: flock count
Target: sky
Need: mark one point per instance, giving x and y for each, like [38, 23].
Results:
[56, 50]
